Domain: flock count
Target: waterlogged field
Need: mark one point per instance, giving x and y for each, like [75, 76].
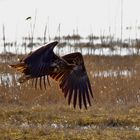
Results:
[26, 113]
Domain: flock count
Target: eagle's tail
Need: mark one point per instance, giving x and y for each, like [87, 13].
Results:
[21, 67]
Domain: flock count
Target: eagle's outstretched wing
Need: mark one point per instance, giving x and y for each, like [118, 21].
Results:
[75, 82]
[38, 63]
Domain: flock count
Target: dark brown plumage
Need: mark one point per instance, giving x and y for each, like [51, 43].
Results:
[68, 70]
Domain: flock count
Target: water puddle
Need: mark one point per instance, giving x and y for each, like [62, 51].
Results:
[111, 73]
[8, 79]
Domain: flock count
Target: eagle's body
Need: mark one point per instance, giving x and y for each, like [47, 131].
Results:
[68, 70]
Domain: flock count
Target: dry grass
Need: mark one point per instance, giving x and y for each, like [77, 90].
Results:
[26, 113]
[57, 122]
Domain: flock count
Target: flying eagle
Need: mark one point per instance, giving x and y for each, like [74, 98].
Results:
[69, 70]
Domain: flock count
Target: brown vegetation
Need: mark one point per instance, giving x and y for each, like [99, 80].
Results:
[26, 113]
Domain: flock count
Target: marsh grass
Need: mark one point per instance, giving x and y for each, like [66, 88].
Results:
[26, 113]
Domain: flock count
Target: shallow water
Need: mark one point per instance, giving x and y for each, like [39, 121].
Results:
[10, 79]
[113, 73]
[68, 49]
[97, 51]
